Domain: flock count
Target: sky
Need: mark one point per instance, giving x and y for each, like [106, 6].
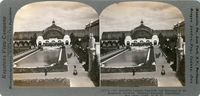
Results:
[68, 15]
[125, 16]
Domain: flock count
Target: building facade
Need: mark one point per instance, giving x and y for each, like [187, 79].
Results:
[140, 35]
[53, 34]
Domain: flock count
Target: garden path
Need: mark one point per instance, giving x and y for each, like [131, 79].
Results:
[82, 79]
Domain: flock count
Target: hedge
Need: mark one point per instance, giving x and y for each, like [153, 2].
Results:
[56, 68]
[55, 82]
[135, 82]
[143, 68]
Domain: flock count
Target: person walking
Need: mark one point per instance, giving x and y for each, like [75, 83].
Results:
[163, 70]
[45, 70]
[133, 71]
[75, 71]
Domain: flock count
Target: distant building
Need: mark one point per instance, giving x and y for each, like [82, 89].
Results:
[180, 28]
[93, 27]
[54, 34]
[140, 34]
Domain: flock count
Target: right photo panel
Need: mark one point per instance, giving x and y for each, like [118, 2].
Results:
[142, 44]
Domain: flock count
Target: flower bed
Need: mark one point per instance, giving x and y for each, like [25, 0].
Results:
[135, 82]
[56, 68]
[116, 70]
[143, 68]
[55, 82]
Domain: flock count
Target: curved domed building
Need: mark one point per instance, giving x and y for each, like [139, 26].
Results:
[53, 34]
[141, 35]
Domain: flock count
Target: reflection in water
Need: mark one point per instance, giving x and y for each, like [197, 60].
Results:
[41, 58]
[129, 58]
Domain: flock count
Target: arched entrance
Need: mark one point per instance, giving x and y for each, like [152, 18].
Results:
[16, 44]
[67, 42]
[128, 43]
[46, 43]
[104, 44]
[109, 44]
[59, 43]
[39, 43]
[114, 44]
[155, 42]
[26, 44]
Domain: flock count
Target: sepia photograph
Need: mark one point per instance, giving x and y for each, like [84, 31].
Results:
[56, 44]
[142, 45]
[99, 48]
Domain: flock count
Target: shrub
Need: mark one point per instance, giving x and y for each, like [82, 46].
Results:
[56, 68]
[94, 72]
[143, 68]
[55, 82]
[135, 82]
[181, 72]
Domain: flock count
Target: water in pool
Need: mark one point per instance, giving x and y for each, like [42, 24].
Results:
[41, 58]
[129, 58]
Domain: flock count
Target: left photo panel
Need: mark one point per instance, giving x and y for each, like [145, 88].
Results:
[56, 44]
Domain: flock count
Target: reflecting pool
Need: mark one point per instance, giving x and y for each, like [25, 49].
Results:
[129, 58]
[40, 58]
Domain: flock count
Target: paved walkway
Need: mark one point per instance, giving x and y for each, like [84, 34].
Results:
[80, 80]
[168, 80]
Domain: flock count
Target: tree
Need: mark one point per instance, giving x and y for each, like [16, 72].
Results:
[161, 39]
[34, 39]
[181, 72]
[96, 38]
[86, 38]
[173, 66]
[31, 40]
[86, 65]
[72, 37]
[123, 38]
[120, 41]
[174, 39]
[94, 72]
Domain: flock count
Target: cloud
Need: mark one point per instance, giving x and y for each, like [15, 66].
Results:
[127, 15]
[68, 15]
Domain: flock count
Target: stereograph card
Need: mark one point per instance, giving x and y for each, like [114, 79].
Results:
[99, 48]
